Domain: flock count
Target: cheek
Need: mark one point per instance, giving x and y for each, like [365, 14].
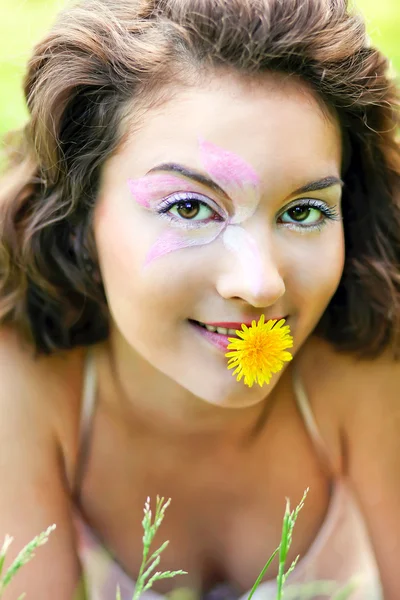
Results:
[173, 239]
[133, 294]
[119, 246]
[137, 288]
[316, 269]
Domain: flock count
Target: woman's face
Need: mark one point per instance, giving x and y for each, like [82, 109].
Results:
[223, 205]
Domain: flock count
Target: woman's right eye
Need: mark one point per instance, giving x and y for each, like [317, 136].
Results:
[187, 208]
[192, 210]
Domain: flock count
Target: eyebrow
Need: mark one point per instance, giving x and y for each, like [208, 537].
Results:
[312, 186]
[319, 184]
[190, 174]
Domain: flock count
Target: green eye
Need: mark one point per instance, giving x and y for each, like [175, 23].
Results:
[302, 214]
[192, 210]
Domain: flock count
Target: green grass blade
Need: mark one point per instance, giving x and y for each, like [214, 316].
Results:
[3, 552]
[148, 565]
[26, 554]
[261, 575]
[158, 552]
[165, 575]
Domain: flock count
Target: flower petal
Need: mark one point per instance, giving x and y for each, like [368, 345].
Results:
[260, 351]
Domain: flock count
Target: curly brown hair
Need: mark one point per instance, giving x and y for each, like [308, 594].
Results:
[104, 57]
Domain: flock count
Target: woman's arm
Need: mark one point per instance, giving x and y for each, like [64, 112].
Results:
[33, 492]
[372, 433]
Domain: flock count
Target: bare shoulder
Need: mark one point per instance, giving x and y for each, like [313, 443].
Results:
[351, 398]
[362, 397]
[37, 415]
[349, 382]
[45, 389]
[356, 403]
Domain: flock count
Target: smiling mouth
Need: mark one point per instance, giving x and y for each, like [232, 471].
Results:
[220, 330]
[227, 331]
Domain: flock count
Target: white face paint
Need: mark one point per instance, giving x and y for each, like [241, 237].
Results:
[239, 241]
[240, 180]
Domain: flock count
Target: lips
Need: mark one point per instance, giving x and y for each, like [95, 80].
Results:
[232, 325]
[222, 330]
[238, 325]
[217, 338]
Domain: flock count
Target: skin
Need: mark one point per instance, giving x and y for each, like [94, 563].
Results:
[170, 419]
[233, 175]
[231, 270]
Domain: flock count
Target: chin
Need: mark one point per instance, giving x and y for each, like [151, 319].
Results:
[227, 392]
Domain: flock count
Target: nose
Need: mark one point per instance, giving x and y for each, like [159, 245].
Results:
[252, 273]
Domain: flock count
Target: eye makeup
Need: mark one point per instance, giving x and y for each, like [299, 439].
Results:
[235, 176]
[327, 213]
[186, 199]
[160, 192]
[146, 190]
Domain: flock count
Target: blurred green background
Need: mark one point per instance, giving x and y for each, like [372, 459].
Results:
[22, 23]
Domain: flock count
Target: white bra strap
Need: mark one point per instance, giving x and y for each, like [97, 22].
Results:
[88, 405]
[310, 424]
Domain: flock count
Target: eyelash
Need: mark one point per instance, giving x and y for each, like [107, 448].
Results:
[330, 213]
[168, 203]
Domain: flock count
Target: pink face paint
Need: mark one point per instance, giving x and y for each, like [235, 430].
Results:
[147, 192]
[236, 177]
[238, 240]
[176, 239]
[147, 189]
[239, 180]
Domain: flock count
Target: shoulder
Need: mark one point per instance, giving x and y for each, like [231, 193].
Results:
[367, 390]
[362, 397]
[41, 393]
[37, 406]
[353, 399]
[354, 382]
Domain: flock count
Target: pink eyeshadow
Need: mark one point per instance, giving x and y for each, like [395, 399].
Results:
[226, 167]
[236, 177]
[240, 182]
[148, 188]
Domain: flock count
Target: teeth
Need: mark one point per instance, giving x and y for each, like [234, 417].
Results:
[210, 328]
[221, 330]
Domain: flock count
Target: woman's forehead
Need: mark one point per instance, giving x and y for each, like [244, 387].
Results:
[265, 132]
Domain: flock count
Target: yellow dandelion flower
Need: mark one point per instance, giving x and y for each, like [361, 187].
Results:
[260, 351]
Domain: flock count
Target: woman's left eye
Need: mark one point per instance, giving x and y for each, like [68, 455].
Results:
[309, 214]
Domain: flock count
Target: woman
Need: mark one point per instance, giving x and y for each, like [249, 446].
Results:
[190, 167]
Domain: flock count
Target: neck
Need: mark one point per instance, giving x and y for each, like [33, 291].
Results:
[146, 398]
